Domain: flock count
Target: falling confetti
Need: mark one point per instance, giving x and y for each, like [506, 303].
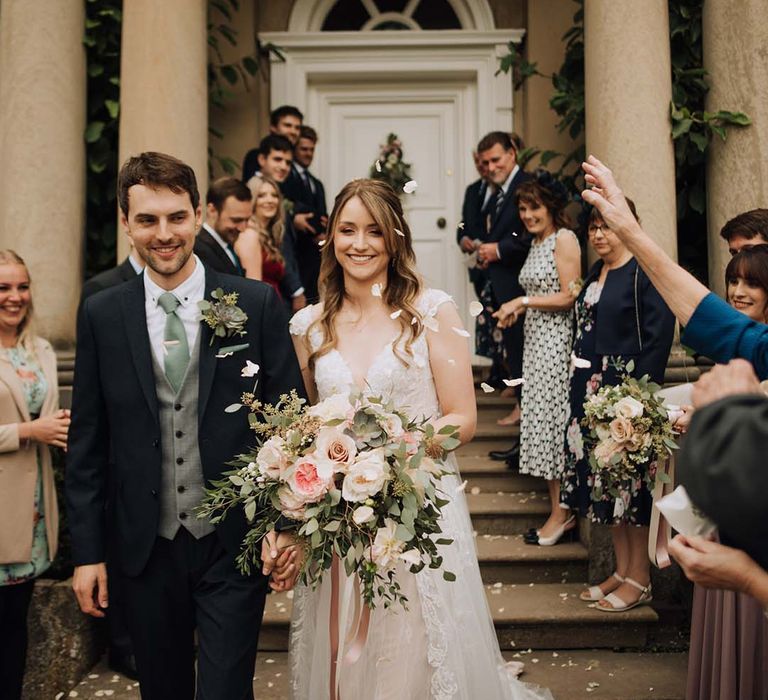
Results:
[414, 320]
[580, 362]
[475, 309]
[461, 225]
[222, 355]
[251, 369]
[514, 382]
[460, 331]
[487, 388]
[431, 323]
[462, 486]
[451, 362]
[320, 244]
[399, 232]
[475, 490]
[376, 289]
[410, 186]
[377, 165]
[395, 314]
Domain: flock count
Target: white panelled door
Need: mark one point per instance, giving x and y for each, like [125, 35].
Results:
[429, 119]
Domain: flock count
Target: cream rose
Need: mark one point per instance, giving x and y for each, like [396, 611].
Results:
[386, 548]
[621, 429]
[334, 445]
[272, 459]
[365, 476]
[292, 505]
[362, 515]
[392, 425]
[605, 449]
[628, 408]
[309, 481]
[336, 407]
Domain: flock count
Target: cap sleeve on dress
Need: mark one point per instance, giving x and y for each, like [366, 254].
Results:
[301, 320]
[431, 300]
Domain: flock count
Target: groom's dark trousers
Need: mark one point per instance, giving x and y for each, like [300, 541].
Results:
[135, 454]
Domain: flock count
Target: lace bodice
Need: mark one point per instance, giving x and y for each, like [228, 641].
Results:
[412, 387]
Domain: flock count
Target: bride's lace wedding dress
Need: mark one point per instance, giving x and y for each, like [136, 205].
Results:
[444, 646]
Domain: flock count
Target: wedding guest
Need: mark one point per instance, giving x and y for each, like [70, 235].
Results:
[504, 250]
[310, 215]
[284, 121]
[550, 270]
[228, 208]
[620, 317]
[748, 229]
[30, 423]
[729, 634]
[275, 161]
[259, 245]
[712, 328]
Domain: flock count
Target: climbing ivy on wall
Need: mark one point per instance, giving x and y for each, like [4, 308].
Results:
[692, 127]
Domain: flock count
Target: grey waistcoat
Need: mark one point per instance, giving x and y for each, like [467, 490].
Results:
[181, 479]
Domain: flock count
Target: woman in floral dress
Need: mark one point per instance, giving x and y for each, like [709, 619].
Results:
[30, 421]
[619, 317]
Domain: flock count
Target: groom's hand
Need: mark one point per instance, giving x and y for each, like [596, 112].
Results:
[90, 585]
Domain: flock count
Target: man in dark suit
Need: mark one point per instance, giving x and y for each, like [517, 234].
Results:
[228, 209]
[310, 215]
[275, 160]
[472, 230]
[148, 418]
[507, 244]
[120, 658]
[284, 121]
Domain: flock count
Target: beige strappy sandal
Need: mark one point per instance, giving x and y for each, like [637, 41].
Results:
[618, 605]
[595, 593]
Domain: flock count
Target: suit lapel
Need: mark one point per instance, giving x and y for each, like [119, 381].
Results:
[9, 377]
[207, 350]
[218, 251]
[135, 319]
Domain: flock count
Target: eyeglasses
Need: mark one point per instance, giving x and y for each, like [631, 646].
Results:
[594, 228]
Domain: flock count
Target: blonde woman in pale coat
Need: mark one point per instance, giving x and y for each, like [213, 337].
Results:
[30, 422]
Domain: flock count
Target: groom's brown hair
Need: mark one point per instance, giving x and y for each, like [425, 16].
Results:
[155, 169]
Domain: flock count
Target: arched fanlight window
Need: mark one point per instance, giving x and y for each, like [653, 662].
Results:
[379, 15]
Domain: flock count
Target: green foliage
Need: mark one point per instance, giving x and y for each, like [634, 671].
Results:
[103, 20]
[224, 76]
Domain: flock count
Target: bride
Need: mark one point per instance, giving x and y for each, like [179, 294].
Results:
[379, 330]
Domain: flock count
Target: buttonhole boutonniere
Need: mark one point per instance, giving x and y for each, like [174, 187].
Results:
[222, 315]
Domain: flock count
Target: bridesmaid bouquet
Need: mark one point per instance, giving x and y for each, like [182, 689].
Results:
[358, 480]
[629, 428]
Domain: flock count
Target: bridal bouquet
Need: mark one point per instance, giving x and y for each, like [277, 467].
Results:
[629, 428]
[355, 477]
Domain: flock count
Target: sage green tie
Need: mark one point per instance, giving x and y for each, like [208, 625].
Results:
[175, 346]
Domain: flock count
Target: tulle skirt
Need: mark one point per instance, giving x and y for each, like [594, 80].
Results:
[444, 646]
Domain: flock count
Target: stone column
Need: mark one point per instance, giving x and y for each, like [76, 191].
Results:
[628, 91]
[163, 84]
[737, 172]
[42, 93]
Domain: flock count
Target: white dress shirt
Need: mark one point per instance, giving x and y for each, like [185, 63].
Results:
[508, 181]
[221, 242]
[189, 292]
[300, 169]
[137, 266]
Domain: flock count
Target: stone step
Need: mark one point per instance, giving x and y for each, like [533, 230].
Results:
[488, 429]
[491, 476]
[480, 448]
[507, 559]
[507, 513]
[526, 616]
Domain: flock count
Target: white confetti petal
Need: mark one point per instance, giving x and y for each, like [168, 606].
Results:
[580, 362]
[462, 486]
[460, 331]
[475, 309]
[233, 408]
[475, 490]
[376, 289]
[399, 232]
[431, 323]
[487, 388]
[377, 165]
[451, 362]
[461, 225]
[395, 314]
[414, 320]
[320, 244]
[222, 355]
[410, 186]
[251, 369]
[514, 382]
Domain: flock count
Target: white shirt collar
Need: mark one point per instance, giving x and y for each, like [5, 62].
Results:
[511, 177]
[300, 168]
[216, 236]
[190, 291]
[138, 268]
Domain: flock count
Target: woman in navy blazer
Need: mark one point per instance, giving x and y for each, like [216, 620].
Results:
[619, 317]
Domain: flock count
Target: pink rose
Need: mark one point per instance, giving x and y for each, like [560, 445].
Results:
[621, 429]
[334, 445]
[307, 481]
[291, 505]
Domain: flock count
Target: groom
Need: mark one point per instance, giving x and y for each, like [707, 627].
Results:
[150, 431]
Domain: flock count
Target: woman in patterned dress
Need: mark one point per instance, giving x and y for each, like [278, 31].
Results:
[619, 317]
[30, 421]
[550, 270]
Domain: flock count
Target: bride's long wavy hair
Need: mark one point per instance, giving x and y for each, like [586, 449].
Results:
[403, 281]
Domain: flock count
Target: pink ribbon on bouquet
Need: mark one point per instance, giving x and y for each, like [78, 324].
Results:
[354, 642]
[660, 530]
